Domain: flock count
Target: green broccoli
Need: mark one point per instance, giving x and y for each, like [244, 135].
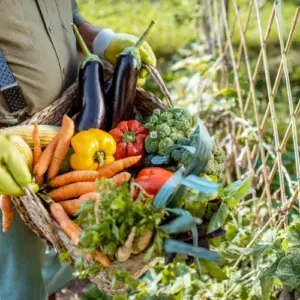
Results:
[184, 141]
[173, 125]
[163, 130]
[163, 145]
[186, 157]
[216, 163]
[165, 116]
[177, 153]
[151, 145]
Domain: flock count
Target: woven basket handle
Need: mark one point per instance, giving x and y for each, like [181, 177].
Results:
[157, 78]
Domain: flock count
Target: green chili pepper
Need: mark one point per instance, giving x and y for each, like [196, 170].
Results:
[14, 172]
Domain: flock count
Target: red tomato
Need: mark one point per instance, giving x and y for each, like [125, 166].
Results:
[152, 179]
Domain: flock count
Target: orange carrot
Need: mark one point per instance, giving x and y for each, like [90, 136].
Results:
[73, 231]
[7, 212]
[78, 189]
[37, 152]
[72, 206]
[74, 176]
[118, 166]
[65, 135]
[73, 190]
[37, 149]
[45, 159]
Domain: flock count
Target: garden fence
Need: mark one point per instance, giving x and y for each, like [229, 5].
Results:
[226, 27]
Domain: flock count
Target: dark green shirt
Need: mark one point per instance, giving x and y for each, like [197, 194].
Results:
[37, 40]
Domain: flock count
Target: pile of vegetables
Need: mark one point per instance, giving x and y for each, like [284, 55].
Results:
[118, 187]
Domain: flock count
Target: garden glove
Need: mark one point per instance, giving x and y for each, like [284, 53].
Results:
[108, 45]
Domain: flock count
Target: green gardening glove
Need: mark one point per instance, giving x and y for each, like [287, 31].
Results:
[108, 45]
[14, 172]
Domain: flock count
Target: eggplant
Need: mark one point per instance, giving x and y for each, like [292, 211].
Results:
[91, 90]
[122, 92]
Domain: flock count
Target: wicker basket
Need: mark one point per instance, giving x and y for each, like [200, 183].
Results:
[35, 215]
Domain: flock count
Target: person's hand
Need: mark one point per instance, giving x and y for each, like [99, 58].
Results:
[109, 45]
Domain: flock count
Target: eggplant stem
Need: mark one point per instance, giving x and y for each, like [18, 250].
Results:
[88, 56]
[144, 35]
[82, 44]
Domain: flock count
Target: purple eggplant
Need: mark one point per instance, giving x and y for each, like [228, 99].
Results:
[91, 90]
[122, 91]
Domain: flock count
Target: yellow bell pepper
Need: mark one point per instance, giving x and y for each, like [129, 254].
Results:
[93, 148]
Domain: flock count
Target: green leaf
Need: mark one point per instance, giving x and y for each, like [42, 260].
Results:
[266, 287]
[183, 223]
[236, 191]
[214, 270]
[233, 252]
[172, 246]
[219, 218]
[293, 234]
[159, 159]
[162, 197]
[288, 270]
[201, 185]
[191, 149]
[231, 231]
[203, 151]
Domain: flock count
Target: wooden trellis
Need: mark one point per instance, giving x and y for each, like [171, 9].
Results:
[236, 59]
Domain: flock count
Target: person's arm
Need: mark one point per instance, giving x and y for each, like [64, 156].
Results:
[87, 30]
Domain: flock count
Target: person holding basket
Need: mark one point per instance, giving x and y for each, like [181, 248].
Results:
[38, 62]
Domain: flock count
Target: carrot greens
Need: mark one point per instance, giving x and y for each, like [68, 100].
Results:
[107, 223]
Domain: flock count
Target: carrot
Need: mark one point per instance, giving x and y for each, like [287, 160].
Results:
[72, 206]
[7, 212]
[78, 189]
[73, 231]
[65, 135]
[73, 190]
[118, 166]
[74, 176]
[37, 152]
[45, 159]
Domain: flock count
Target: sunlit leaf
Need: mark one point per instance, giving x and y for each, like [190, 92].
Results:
[214, 270]
[293, 234]
[219, 218]
[236, 191]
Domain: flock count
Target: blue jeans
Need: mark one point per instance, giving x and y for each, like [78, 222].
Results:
[26, 271]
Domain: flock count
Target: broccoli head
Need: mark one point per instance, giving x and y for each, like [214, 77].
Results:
[164, 144]
[176, 154]
[151, 145]
[216, 163]
[166, 126]
[165, 116]
[163, 131]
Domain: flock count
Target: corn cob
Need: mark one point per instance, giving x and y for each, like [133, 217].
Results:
[46, 133]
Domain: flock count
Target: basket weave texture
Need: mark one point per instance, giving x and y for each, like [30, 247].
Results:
[37, 218]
